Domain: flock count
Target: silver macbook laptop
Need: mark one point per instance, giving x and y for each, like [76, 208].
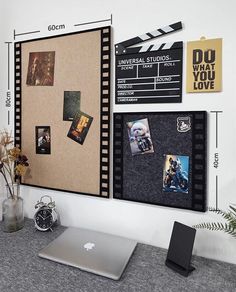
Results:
[91, 251]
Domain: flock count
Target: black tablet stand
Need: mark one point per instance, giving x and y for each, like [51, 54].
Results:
[180, 249]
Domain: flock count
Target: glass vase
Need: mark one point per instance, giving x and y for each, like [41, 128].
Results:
[12, 210]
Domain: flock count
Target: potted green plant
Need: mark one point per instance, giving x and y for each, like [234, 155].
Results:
[228, 227]
[13, 165]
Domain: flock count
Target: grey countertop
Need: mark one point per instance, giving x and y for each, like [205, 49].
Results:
[22, 270]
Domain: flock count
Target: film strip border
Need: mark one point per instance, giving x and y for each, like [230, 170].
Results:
[122, 48]
[17, 131]
[105, 110]
[118, 156]
[199, 138]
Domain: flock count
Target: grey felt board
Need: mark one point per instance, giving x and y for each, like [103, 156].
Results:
[143, 174]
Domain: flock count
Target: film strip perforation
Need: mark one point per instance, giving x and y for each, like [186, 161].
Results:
[105, 111]
[106, 39]
[17, 98]
[198, 197]
[106, 48]
[199, 152]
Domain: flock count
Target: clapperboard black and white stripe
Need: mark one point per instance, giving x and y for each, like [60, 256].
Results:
[149, 73]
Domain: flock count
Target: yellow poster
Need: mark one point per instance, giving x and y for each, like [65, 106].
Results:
[204, 65]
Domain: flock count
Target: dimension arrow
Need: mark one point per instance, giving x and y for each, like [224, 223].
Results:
[96, 21]
[8, 98]
[216, 118]
[8, 64]
[24, 33]
[216, 154]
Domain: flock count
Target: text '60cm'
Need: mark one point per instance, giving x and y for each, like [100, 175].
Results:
[53, 27]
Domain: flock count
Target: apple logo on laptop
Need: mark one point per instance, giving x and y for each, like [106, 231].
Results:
[89, 245]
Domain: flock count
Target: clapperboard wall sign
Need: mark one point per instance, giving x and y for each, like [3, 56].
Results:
[149, 73]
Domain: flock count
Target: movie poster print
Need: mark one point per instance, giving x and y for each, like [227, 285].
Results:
[43, 140]
[140, 137]
[204, 65]
[41, 69]
[71, 105]
[80, 127]
[176, 174]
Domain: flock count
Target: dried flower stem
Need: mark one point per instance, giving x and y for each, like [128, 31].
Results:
[12, 163]
[10, 190]
[7, 167]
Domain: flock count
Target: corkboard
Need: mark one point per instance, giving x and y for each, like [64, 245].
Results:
[82, 63]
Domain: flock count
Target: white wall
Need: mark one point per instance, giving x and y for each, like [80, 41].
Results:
[146, 223]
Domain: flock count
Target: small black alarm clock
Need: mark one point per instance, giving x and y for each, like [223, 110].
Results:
[46, 216]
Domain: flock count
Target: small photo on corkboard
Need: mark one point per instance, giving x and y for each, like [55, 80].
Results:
[41, 69]
[61, 81]
[43, 140]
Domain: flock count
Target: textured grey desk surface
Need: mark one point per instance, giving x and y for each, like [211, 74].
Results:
[22, 270]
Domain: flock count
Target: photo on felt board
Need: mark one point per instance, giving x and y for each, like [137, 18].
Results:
[71, 105]
[176, 173]
[80, 127]
[140, 137]
[43, 140]
[41, 69]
